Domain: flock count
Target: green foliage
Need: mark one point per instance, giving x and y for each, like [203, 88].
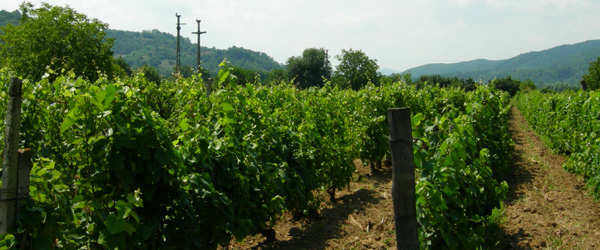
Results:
[397, 77]
[150, 73]
[246, 75]
[50, 39]
[185, 71]
[130, 164]
[591, 80]
[356, 69]
[122, 68]
[444, 82]
[328, 137]
[462, 150]
[570, 121]
[559, 87]
[101, 172]
[506, 84]
[276, 75]
[370, 107]
[7, 241]
[310, 69]
[204, 73]
[527, 86]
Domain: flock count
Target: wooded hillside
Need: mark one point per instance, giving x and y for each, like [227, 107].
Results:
[158, 49]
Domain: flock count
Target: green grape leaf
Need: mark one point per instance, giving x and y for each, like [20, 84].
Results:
[116, 225]
[111, 93]
[66, 124]
[226, 106]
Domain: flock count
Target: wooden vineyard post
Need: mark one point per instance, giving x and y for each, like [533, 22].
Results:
[23, 174]
[8, 191]
[403, 178]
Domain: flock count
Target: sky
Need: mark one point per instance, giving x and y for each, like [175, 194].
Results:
[399, 34]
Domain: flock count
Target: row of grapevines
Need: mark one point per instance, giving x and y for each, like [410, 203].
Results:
[460, 155]
[462, 148]
[571, 123]
[129, 164]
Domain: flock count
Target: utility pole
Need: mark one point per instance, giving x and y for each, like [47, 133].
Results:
[199, 63]
[178, 64]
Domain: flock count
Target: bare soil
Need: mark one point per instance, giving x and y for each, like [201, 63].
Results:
[360, 218]
[546, 208]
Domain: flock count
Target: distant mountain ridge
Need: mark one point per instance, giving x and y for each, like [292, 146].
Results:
[562, 64]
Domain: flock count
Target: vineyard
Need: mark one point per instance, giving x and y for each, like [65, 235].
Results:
[570, 123]
[130, 164]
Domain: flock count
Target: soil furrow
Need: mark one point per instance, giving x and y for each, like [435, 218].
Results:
[547, 207]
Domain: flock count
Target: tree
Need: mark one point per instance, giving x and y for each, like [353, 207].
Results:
[122, 66]
[506, 84]
[447, 82]
[469, 84]
[150, 73]
[205, 74]
[396, 77]
[309, 69]
[527, 86]
[356, 69]
[186, 71]
[591, 80]
[276, 75]
[245, 75]
[50, 39]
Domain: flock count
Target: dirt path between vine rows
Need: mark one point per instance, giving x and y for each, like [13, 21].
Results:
[360, 218]
[547, 207]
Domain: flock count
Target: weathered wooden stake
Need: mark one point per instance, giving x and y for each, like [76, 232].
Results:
[403, 178]
[25, 166]
[8, 191]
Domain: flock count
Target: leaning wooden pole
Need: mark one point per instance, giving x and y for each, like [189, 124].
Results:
[403, 178]
[10, 165]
